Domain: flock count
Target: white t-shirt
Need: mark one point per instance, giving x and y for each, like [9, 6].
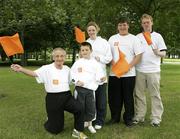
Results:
[55, 80]
[129, 45]
[150, 62]
[102, 49]
[87, 71]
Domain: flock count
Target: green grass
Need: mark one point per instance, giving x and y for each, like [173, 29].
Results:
[22, 110]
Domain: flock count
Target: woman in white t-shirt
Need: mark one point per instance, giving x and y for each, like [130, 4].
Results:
[102, 53]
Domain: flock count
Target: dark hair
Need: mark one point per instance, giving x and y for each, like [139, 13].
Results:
[123, 20]
[86, 44]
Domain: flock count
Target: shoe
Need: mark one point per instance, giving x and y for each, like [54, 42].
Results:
[86, 124]
[155, 124]
[97, 127]
[129, 124]
[91, 129]
[79, 135]
[138, 122]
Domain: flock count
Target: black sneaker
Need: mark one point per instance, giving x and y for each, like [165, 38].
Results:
[129, 124]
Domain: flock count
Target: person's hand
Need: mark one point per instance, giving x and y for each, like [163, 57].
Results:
[97, 58]
[79, 83]
[16, 67]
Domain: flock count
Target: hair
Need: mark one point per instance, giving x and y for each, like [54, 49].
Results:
[93, 24]
[147, 16]
[86, 44]
[58, 49]
[123, 20]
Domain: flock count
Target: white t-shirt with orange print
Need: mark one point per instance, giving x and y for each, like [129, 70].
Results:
[54, 80]
[129, 45]
[150, 62]
[88, 71]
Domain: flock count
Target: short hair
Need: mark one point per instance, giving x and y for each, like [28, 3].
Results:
[147, 16]
[123, 20]
[86, 44]
[93, 24]
[58, 49]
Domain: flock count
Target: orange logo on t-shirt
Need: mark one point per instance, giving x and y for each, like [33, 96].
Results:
[80, 69]
[55, 82]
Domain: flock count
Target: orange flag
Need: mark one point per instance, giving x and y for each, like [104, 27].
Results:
[147, 36]
[121, 66]
[80, 35]
[11, 44]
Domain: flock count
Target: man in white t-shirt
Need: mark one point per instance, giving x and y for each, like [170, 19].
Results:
[56, 78]
[148, 73]
[126, 51]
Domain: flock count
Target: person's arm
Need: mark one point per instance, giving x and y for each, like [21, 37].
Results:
[135, 61]
[159, 53]
[18, 68]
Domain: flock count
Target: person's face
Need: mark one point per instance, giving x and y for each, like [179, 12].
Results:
[146, 24]
[92, 32]
[59, 58]
[85, 52]
[123, 28]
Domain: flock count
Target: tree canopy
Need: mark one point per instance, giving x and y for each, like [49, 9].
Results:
[46, 24]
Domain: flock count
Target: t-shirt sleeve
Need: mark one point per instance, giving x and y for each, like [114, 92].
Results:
[41, 74]
[161, 44]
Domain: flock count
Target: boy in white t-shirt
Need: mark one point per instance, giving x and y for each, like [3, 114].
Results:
[86, 74]
[126, 51]
[148, 73]
[55, 78]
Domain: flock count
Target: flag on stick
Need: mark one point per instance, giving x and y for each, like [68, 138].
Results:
[11, 44]
[147, 36]
[80, 35]
[121, 66]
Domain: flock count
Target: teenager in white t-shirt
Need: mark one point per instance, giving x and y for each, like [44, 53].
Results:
[102, 53]
[56, 78]
[120, 89]
[86, 74]
[148, 74]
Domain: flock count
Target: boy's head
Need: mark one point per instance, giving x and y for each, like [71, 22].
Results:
[59, 56]
[85, 50]
[147, 22]
[123, 26]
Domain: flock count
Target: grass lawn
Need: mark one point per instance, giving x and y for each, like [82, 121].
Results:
[22, 110]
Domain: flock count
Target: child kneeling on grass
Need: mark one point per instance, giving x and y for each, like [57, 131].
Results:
[55, 77]
[86, 73]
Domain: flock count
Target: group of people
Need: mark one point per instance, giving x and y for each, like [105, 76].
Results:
[134, 66]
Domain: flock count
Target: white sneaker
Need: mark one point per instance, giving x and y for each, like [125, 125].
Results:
[97, 127]
[86, 124]
[91, 129]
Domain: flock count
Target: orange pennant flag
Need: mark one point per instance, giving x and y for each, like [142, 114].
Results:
[80, 35]
[147, 36]
[11, 44]
[121, 66]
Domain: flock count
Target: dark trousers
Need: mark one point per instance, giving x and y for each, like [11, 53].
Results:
[120, 92]
[56, 104]
[101, 104]
[86, 98]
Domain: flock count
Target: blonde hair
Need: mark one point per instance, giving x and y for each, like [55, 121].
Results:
[93, 24]
[146, 16]
[58, 49]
